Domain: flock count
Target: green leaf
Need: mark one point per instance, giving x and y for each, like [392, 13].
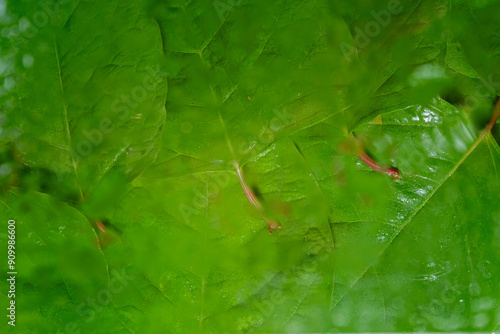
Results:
[122, 123]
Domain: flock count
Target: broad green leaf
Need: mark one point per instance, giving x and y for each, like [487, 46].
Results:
[85, 94]
[121, 122]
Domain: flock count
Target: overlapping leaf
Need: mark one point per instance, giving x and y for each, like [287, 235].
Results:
[268, 85]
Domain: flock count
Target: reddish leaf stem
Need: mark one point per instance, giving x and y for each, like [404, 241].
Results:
[252, 198]
[101, 226]
[494, 117]
[391, 171]
[246, 189]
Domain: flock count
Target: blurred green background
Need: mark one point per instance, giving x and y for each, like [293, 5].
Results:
[120, 122]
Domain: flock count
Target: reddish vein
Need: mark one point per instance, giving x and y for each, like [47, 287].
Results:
[272, 225]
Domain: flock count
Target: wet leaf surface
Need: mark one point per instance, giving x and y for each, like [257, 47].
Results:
[122, 124]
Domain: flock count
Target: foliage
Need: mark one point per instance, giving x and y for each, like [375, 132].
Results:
[133, 112]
